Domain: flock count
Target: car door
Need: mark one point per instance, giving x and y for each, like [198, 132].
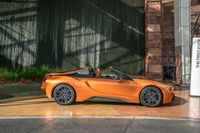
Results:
[113, 86]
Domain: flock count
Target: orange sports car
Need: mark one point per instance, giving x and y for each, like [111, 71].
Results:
[86, 83]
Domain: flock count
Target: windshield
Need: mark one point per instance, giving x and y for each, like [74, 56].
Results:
[121, 73]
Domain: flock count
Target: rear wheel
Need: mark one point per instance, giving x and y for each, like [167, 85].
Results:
[64, 94]
[151, 96]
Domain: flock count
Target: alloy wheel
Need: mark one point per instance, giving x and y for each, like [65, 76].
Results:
[151, 96]
[64, 94]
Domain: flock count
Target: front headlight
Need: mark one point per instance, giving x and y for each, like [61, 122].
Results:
[170, 88]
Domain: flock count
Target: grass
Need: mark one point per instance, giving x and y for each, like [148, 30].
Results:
[31, 73]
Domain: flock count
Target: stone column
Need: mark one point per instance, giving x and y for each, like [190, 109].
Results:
[182, 40]
[168, 46]
[153, 61]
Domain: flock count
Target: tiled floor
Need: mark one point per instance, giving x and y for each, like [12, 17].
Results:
[183, 106]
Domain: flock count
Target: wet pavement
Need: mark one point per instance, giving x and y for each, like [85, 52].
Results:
[98, 125]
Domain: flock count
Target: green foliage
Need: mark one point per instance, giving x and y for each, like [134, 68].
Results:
[30, 73]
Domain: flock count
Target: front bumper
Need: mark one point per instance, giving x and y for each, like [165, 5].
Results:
[173, 96]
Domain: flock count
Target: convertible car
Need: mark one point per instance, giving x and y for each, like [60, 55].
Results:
[86, 83]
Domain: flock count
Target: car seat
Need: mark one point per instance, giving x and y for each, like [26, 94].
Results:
[98, 73]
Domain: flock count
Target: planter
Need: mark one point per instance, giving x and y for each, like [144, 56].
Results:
[16, 89]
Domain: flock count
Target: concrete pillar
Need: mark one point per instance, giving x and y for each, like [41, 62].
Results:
[182, 40]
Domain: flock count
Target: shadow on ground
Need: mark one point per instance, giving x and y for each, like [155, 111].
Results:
[177, 102]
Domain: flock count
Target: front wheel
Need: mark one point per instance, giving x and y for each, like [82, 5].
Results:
[64, 94]
[151, 96]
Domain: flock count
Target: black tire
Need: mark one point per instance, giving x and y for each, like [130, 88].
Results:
[64, 94]
[151, 96]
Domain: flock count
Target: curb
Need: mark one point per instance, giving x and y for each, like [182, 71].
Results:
[102, 117]
[13, 99]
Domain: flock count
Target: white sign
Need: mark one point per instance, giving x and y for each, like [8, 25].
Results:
[195, 69]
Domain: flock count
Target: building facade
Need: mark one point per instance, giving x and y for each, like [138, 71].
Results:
[173, 24]
[145, 37]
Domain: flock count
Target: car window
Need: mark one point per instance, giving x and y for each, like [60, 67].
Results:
[121, 74]
[107, 74]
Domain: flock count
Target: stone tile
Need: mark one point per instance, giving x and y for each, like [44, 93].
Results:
[153, 36]
[168, 44]
[154, 43]
[153, 19]
[168, 29]
[168, 52]
[156, 76]
[182, 106]
[154, 68]
[169, 2]
[168, 23]
[168, 10]
[154, 52]
[168, 60]
[150, 60]
[153, 7]
[168, 35]
[153, 28]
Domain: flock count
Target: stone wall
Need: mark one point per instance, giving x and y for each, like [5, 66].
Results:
[153, 61]
[195, 10]
[168, 46]
[159, 37]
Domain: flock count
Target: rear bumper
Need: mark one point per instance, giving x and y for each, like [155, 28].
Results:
[43, 86]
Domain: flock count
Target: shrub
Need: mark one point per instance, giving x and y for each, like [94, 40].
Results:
[30, 73]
